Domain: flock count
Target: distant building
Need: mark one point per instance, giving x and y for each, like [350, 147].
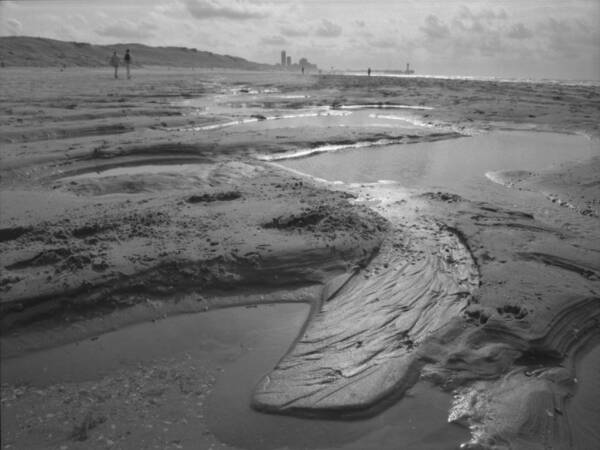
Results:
[288, 65]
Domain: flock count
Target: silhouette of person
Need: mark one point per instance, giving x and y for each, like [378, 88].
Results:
[369, 71]
[302, 70]
[127, 59]
[114, 61]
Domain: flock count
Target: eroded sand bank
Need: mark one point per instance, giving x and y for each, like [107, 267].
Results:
[149, 198]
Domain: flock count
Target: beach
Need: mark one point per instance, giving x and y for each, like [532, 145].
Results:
[426, 238]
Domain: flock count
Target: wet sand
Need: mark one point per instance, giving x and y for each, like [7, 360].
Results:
[125, 202]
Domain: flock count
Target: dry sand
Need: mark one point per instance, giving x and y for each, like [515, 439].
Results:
[494, 304]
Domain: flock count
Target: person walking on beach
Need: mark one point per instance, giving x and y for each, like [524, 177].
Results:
[127, 59]
[369, 72]
[114, 61]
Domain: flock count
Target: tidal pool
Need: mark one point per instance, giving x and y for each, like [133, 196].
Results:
[246, 342]
[585, 402]
[223, 334]
[323, 117]
[143, 169]
[458, 164]
[419, 420]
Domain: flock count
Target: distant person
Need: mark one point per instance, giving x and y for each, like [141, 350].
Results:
[369, 72]
[302, 70]
[127, 59]
[114, 61]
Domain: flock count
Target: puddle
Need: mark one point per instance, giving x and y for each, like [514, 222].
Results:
[152, 178]
[386, 106]
[326, 148]
[417, 421]
[293, 96]
[246, 343]
[457, 164]
[240, 98]
[508, 178]
[200, 170]
[316, 118]
[584, 404]
[218, 334]
[142, 179]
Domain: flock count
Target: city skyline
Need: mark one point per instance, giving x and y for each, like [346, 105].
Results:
[287, 61]
[541, 39]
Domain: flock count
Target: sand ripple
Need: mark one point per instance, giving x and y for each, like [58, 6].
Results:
[361, 345]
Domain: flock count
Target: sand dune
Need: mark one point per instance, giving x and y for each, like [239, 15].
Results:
[24, 51]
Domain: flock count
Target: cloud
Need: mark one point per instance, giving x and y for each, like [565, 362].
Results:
[488, 15]
[274, 40]
[474, 27]
[328, 29]
[126, 29]
[491, 41]
[7, 6]
[468, 34]
[383, 43]
[434, 28]
[555, 26]
[490, 46]
[171, 9]
[367, 34]
[568, 38]
[13, 26]
[293, 32]
[519, 31]
[221, 9]
[478, 21]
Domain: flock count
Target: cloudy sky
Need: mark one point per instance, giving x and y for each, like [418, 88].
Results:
[508, 38]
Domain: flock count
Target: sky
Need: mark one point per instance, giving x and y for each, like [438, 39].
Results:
[557, 39]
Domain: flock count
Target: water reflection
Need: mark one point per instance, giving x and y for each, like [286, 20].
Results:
[453, 164]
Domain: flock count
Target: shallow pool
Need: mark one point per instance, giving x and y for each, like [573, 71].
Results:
[246, 342]
[584, 406]
[322, 117]
[419, 420]
[458, 164]
[222, 333]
